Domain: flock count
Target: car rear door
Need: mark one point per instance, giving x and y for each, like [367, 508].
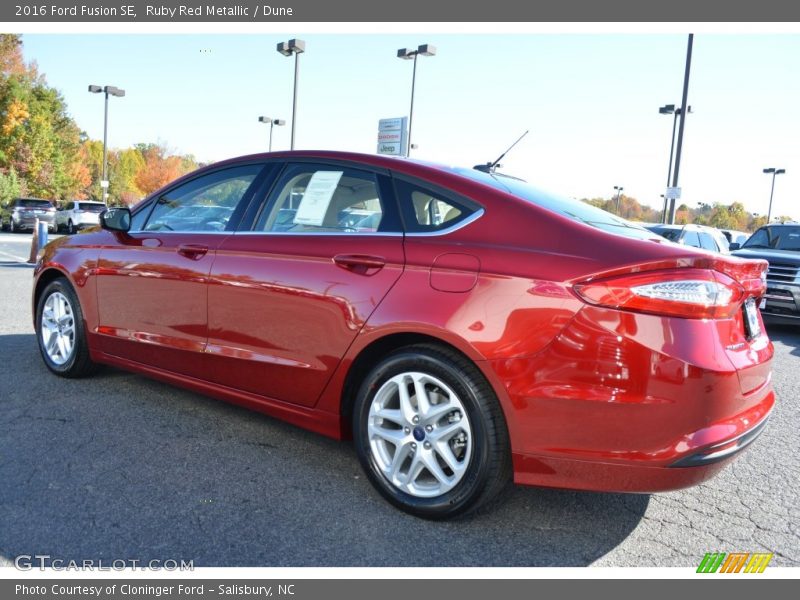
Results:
[288, 294]
[151, 283]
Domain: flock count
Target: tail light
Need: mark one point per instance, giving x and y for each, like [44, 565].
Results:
[690, 293]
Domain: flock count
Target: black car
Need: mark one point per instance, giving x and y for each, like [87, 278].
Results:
[21, 213]
[779, 245]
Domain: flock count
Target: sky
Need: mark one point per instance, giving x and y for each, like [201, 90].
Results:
[590, 102]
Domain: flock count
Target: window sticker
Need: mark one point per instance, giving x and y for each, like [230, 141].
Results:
[317, 198]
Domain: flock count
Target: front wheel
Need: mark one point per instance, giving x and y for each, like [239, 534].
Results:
[430, 433]
[70, 228]
[61, 332]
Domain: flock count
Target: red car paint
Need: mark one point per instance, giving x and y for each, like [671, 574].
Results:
[595, 396]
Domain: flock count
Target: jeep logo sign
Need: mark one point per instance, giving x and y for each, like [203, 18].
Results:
[393, 136]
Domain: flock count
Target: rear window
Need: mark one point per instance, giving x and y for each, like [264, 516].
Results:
[672, 234]
[574, 209]
[92, 206]
[28, 203]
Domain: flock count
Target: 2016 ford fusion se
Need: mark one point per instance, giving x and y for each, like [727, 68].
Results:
[463, 327]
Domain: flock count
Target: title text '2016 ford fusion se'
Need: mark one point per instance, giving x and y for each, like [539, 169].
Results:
[463, 327]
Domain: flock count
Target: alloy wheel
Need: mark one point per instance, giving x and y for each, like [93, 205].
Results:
[420, 434]
[57, 328]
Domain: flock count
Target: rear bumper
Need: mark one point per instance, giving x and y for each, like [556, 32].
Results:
[29, 222]
[645, 475]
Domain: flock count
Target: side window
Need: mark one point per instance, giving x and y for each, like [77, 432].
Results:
[137, 220]
[323, 198]
[426, 211]
[70, 206]
[707, 242]
[690, 239]
[202, 204]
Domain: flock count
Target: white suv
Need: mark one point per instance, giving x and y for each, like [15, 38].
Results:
[75, 215]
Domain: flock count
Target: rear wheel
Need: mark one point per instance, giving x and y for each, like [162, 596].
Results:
[61, 332]
[430, 433]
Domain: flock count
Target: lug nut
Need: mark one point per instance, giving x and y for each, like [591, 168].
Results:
[427, 445]
[429, 428]
[413, 446]
[407, 430]
[415, 420]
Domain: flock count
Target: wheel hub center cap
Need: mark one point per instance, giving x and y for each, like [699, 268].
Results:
[419, 433]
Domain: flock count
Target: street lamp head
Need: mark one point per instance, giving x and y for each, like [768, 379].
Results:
[770, 170]
[405, 53]
[114, 91]
[291, 47]
[279, 122]
[667, 109]
[264, 119]
[95, 89]
[780, 171]
[427, 50]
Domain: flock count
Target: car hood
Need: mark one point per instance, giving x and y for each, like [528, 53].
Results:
[784, 256]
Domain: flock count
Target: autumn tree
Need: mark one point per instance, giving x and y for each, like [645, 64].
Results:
[38, 139]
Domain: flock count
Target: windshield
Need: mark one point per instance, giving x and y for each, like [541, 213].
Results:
[777, 238]
[574, 209]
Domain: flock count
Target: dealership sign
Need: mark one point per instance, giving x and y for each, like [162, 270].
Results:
[393, 136]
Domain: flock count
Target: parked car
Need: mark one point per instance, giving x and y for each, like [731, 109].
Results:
[21, 213]
[486, 331]
[778, 244]
[78, 214]
[697, 236]
[735, 237]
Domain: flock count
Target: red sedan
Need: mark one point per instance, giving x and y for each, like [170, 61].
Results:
[465, 328]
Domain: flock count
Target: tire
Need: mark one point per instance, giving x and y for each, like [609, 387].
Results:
[11, 227]
[58, 306]
[464, 441]
[70, 228]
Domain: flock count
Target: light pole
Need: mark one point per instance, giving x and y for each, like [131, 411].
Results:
[272, 123]
[684, 102]
[619, 189]
[109, 90]
[406, 54]
[774, 172]
[296, 47]
[669, 109]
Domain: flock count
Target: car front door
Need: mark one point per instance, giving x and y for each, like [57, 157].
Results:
[151, 283]
[287, 296]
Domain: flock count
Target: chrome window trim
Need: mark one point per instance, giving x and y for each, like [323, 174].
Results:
[324, 233]
[447, 230]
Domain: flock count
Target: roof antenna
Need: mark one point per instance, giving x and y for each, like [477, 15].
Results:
[490, 167]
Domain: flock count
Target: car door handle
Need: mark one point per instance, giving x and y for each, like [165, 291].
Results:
[362, 264]
[193, 251]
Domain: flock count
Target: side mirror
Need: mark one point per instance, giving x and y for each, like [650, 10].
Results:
[734, 246]
[116, 219]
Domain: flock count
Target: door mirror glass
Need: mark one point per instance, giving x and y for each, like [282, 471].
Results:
[116, 219]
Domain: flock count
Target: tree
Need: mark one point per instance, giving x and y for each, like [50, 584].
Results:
[10, 187]
[159, 167]
[38, 139]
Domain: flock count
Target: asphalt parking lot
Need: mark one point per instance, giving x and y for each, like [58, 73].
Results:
[122, 467]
